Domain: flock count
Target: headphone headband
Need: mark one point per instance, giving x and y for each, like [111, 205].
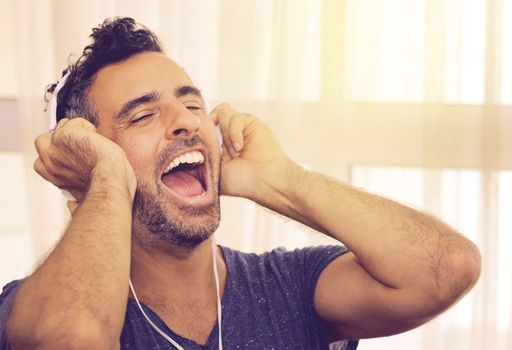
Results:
[53, 101]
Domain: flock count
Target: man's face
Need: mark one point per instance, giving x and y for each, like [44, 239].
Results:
[149, 106]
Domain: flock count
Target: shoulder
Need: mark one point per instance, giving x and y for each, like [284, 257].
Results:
[299, 265]
[9, 290]
[321, 254]
[6, 300]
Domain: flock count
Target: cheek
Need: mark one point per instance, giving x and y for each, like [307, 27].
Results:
[141, 154]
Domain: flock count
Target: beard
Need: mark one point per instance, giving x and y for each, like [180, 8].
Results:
[187, 227]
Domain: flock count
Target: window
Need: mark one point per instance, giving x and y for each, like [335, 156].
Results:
[506, 53]
[8, 83]
[388, 50]
[475, 203]
[416, 50]
[16, 253]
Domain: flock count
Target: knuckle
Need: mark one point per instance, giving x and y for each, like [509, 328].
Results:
[75, 122]
[39, 139]
[248, 116]
[61, 123]
[37, 165]
[81, 121]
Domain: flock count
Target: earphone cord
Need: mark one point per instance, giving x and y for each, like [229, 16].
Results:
[219, 306]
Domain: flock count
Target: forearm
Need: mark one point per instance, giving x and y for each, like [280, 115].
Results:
[399, 246]
[82, 285]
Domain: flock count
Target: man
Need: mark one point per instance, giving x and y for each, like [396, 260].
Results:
[137, 150]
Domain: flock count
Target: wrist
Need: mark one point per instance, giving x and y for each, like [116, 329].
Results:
[118, 177]
[280, 186]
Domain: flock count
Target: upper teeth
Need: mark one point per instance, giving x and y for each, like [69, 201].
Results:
[194, 157]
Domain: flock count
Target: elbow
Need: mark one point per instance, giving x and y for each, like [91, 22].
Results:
[468, 265]
[461, 273]
[454, 276]
[73, 336]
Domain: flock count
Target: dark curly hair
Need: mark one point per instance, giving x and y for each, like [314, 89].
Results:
[115, 40]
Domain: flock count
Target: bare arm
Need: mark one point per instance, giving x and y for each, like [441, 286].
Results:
[77, 297]
[405, 266]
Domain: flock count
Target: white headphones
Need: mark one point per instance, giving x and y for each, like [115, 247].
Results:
[53, 102]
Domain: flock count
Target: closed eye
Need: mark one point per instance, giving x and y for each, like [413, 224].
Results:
[141, 118]
[193, 105]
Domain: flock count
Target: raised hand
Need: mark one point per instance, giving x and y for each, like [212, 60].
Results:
[70, 155]
[252, 159]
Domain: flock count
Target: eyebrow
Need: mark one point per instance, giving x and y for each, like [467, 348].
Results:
[135, 102]
[181, 91]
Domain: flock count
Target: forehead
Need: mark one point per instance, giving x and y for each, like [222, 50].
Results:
[120, 82]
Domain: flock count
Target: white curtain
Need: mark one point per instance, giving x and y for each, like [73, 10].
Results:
[407, 98]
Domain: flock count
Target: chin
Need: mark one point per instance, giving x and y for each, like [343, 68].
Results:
[160, 223]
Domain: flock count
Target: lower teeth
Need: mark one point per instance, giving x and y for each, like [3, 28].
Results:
[201, 195]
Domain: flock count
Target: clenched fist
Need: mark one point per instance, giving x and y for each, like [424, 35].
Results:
[71, 154]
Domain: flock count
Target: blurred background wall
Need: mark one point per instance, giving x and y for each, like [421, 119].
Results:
[411, 99]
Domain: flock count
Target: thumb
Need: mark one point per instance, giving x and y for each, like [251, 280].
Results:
[72, 206]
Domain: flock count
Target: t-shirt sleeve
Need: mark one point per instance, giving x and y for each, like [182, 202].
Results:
[316, 260]
[308, 263]
[6, 300]
[302, 267]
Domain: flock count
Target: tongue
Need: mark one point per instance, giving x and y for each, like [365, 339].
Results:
[183, 183]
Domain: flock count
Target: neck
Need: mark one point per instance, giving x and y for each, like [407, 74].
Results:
[185, 273]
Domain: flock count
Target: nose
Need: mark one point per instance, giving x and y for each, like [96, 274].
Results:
[184, 124]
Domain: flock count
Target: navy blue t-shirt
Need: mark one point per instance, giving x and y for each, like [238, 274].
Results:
[268, 303]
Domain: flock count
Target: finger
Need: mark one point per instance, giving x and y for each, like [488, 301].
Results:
[219, 107]
[54, 178]
[40, 168]
[58, 127]
[72, 207]
[225, 114]
[235, 131]
[47, 153]
[77, 121]
[224, 121]
[215, 118]
[61, 124]
[77, 194]
[42, 143]
[224, 110]
[67, 124]
[82, 123]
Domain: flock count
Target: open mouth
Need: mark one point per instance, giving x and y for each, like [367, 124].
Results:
[186, 174]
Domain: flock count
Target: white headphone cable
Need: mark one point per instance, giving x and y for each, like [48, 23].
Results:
[217, 287]
[219, 306]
